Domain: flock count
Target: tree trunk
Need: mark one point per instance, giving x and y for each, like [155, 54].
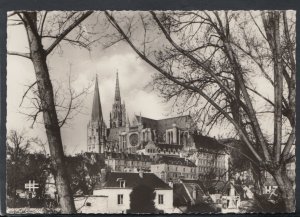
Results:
[45, 90]
[286, 189]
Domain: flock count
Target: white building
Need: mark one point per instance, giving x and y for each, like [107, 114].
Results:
[114, 193]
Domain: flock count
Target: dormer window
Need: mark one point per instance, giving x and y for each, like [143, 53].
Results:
[121, 183]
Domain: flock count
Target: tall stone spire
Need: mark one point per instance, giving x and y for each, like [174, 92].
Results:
[96, 109]
[96, 128]
[117, 91]
[118, 113]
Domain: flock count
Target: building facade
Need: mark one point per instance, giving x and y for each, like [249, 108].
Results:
[124, 162]
[172, 169]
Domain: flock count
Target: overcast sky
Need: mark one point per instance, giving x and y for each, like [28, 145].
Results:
[134, 75]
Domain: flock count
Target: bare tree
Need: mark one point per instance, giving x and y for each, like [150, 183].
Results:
[17, 145]
[209, 59]
[45, 32]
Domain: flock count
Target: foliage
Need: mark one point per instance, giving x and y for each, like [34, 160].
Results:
[262, 204]
[202, 207]
[84, 172]
[142, 200]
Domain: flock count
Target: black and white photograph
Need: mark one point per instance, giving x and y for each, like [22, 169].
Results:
[151, 112]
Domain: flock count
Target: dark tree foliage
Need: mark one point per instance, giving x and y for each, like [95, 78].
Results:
[142, 200]
[202, 207]
[84, 172]
[28, 167]
[261, 204]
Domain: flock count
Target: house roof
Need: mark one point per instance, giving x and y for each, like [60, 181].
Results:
[163, 146]
[174, 161]
[133, 179]
[180, 195]
[270, 182]
[127, 156]
[192, 181]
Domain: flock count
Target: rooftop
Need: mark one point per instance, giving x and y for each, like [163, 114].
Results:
[127, 156]
[174, 161]
[134, 179]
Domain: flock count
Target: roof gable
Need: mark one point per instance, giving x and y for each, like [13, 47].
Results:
[133, 179]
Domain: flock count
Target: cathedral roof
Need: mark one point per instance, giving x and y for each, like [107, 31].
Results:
[182, 122]
[96, 109]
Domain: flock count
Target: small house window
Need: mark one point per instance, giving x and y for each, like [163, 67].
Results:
[122, 184]
[120, 199]
[160, 199]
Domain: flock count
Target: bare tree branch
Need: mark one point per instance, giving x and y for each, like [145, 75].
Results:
[67, 31]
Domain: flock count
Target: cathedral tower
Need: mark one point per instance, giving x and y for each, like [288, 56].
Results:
[96, 129]
[118, 114]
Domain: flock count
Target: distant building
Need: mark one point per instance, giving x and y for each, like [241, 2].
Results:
[124, 162]
[209, 156]
[115, 188]
[171, 169]
[153, 149]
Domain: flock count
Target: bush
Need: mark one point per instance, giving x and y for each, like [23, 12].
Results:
[202, 207]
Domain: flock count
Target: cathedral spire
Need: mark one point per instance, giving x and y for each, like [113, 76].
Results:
[96, 109]
[117, 91]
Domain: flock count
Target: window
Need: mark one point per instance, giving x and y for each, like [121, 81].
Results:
[160, 199]
[120, 199]
[122, 184]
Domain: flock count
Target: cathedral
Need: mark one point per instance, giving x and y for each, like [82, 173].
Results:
[128, 136]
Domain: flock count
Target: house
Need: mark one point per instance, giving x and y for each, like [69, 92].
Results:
[169, 168]
[115, 188]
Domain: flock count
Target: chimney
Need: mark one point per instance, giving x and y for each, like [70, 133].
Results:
[141, 174]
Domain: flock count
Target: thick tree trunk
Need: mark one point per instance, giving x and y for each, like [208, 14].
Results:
[45, 90]
[286, 188]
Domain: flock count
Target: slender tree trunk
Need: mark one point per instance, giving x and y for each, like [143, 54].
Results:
[286, 188]
[45, 89]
